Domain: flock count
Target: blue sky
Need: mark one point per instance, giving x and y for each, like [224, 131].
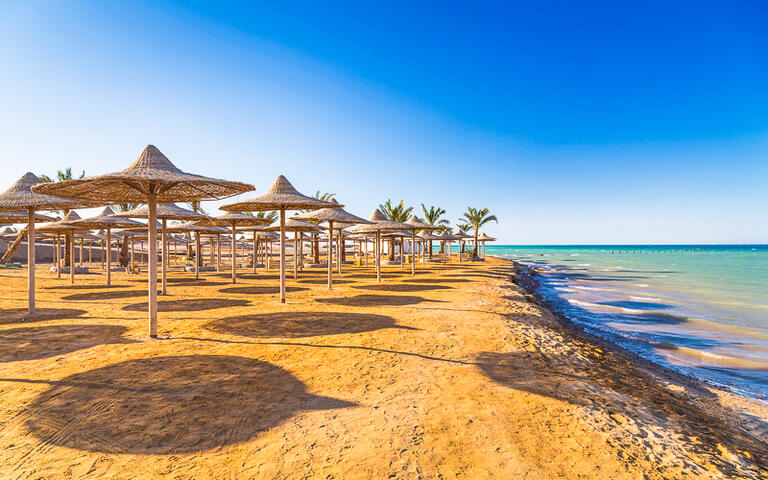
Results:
[604, 122]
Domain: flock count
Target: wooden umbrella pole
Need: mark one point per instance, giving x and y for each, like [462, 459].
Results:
[103, 259]
[72, 258]
[366, 251]
[90, 252]
[413, 253]
[133, 258]
[164, 239]
[296, 254]
[81, 252]
[58, 255]
[152, 260]
[234, 253]
[197, 255]
[31, 260]
[402, 252]
[255, 247]
[109, 256]
[282, 255]
[330, 256]
[339, 246]
[218, 252]
[378, 256]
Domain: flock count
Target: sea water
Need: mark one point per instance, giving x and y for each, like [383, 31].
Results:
[699, 309]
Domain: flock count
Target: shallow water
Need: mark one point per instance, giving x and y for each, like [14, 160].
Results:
[700, 309]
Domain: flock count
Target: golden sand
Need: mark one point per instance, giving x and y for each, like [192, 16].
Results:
[453, 373]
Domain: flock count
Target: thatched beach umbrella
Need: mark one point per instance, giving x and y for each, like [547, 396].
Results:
[414, 225]
[152, 178]
[332, 215]
[280, 196]
[21, 217]
[296, 226]
[447, 238]
[165, 212]
[484, 238]
[234, 220]
[379, 223]
[425, 238]
[65, 226]
[461, 237]
[21, 197]
[107, 221]
[197, 229]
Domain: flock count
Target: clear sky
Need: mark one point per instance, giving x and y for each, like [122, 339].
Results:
[574, 122]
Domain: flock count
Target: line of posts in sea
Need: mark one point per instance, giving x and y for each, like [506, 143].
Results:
[678, 250]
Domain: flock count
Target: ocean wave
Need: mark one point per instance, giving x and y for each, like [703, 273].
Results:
[641, 285]
[594, 289]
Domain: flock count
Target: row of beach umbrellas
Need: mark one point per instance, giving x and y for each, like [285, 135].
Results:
[152, 180]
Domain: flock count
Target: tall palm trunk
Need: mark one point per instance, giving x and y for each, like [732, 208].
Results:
[124, 257]
[316, 248]
[391, 257]
[474, 251]
[430, 249]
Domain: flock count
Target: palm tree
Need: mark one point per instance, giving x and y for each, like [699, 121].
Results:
[477, 218]
[196, 206]
[396, 213]
[62, 175]
[124, 207]
[432, 217]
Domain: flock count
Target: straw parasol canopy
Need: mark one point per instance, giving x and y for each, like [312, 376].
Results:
[336, 215]
[379, 223]
[8, 232]
[107, 220]
[280, 196]
[23, 217]
[484, 238]
[21, 197]
[461, 236]
[150, 179]
[233, 220]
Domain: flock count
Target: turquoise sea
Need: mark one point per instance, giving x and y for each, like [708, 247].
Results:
[699, 309]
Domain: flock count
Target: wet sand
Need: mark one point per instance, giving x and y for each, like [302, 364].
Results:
[454, 373]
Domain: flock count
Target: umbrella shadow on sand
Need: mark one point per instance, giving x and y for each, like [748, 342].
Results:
[402, 287]
[301, 324]
[260, 290]
[376, 300]
[21, 314]
[189, 305]
[105, 295]
[170, 405]
[29, 343]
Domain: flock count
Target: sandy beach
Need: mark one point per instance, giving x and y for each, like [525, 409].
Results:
[456, 372]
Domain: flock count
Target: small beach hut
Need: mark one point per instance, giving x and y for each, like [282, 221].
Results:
[150, 179]
[281, 196]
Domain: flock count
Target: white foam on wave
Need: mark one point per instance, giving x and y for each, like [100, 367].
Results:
[641, 285]
[645, 299]
[583, 264]
[594, 289]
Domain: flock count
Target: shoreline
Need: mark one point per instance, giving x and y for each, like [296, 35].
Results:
[741, 405]
[530, 278]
